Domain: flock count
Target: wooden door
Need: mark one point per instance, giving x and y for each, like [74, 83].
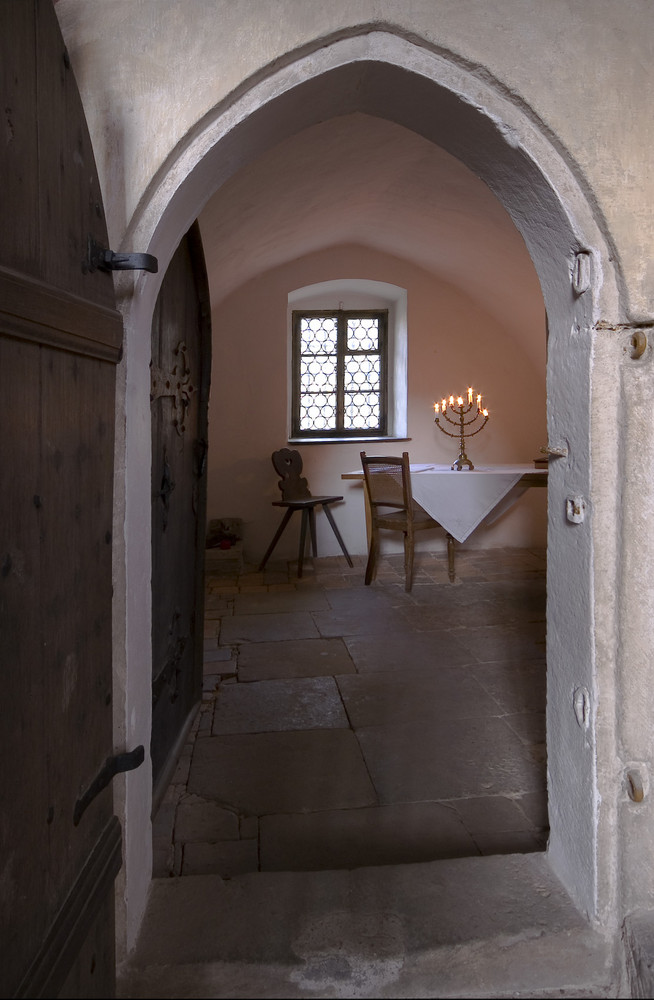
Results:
[181, 342]
[60, 339]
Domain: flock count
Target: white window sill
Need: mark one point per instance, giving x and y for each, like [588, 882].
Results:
[343, 440]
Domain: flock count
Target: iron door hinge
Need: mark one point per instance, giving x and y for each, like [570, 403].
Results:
[101, 259]
[111, 767]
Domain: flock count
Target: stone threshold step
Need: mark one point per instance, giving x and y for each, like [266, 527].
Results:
[473, 927]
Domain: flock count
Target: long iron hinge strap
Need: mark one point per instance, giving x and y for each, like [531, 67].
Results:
[111, 767]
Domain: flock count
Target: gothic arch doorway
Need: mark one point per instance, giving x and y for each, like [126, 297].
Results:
[384, 75]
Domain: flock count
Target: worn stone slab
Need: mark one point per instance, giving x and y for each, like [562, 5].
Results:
[293, 658]
[282, 772]
[495, 814]
[200, 821]
[362, 598]
[529, 726]
[420, 761]
[280, 602]
[383, 621]
[517, 686]
[268, 627]
[218, 655]
[227, 859]
[410, 651]
[505, 642]
[511, 842]
[350, 838]
[535, 807]
[278, 705]
[465, 608]
[393, 698]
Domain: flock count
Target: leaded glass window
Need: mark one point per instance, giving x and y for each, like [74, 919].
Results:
[339, 374]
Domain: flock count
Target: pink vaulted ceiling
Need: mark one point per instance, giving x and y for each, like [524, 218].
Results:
[364, 180]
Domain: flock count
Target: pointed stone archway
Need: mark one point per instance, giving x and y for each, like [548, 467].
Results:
[384, 74]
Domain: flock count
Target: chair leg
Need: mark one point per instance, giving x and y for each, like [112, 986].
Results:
[450, 557]
[372, 556]
[303, 539]
[408, 560]
[286, 518]
[312, 530]
[330, 518]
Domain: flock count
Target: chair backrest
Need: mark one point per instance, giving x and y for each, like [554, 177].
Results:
[388, 479]
[288, 465]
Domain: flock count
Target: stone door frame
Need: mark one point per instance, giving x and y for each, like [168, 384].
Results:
[472, 117]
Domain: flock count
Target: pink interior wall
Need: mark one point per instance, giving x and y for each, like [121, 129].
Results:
[452, 343]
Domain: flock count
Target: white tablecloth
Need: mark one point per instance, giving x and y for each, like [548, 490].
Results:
[461, 501]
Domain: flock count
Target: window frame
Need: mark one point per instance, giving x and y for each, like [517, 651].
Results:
[339, 432]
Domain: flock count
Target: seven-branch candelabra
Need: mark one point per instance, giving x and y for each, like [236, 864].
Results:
[466, 416]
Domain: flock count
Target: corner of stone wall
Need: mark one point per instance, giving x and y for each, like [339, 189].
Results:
[638, 946]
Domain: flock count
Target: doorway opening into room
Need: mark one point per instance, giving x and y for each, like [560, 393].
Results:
[394, 92]
[428, 705]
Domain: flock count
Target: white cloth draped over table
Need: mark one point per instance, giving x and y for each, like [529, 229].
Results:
[461, 501]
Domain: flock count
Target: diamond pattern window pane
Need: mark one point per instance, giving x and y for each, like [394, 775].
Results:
[363, 334]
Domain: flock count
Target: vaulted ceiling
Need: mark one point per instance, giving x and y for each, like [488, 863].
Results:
[359, 179]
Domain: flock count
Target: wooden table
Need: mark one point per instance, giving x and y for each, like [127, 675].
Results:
[462, 501]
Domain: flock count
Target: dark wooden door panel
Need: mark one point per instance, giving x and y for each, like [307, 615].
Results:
[180, 372]
[19, 162]
[60, 338]
[24, 818]
[76, 514]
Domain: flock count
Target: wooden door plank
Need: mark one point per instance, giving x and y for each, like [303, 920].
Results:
[60, 338]
[77, 460]
[24, 804]
[71, 202]
[19, 191]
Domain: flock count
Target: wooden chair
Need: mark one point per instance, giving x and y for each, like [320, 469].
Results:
[297, 496]
[392, 507]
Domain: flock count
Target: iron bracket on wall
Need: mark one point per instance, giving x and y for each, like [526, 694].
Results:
[101, 259]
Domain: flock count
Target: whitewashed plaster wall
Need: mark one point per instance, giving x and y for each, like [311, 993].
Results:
[575, 80]
[149, 70]
[452, 343]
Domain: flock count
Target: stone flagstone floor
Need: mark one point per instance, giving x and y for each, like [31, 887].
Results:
[344, 726]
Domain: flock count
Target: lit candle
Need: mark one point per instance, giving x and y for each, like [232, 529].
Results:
[479, 402]
[443, 405]
[485, 412]
[451, 400]
[470, 394]
[435, 407]
[459, 401]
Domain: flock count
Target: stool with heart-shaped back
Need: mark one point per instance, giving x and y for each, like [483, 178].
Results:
[297, 496]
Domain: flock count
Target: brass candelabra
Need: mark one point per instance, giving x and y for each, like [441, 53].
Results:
[462, 420]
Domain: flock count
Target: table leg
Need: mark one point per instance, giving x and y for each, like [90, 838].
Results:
[450, 557]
